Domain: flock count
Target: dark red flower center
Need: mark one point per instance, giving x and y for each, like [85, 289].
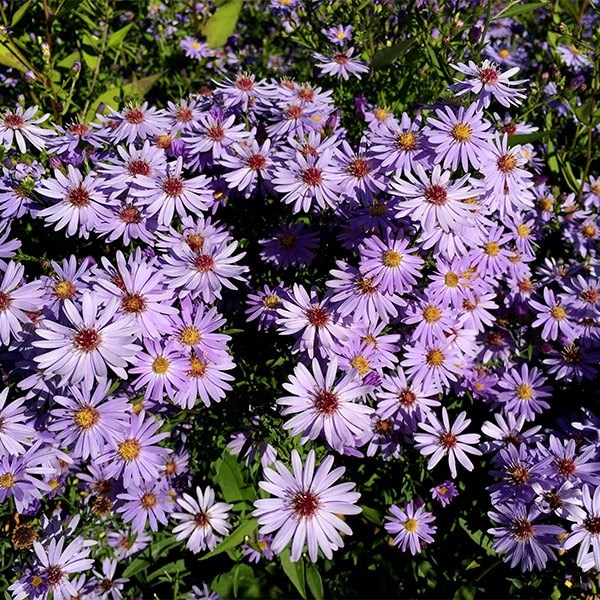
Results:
[305, 504]
[87, 339]
[510, 129]
[139, 167]
[565, 466]
[295, 111]
[326, 402]
[201, 519]
[173, 186]
[204, 262]
[407, 398]
[488, 75]
[306, 93]
[436, 194]
[519, 475]
[288, 241]
[572, 355]
[195, 241]
[312, 176]
[5, 301]
[341, 58]
[133, 303]
[256, 162]
[590, 296]
[135, 116]
[592, 524]
[216, 133]
[54, 574]
[522, 529]
[14, 121]
[317, 316]
[130, 214]
[244, 83]
[184, 114]
[79, 129]
[359, 168]
[78, 196]
[447, 440]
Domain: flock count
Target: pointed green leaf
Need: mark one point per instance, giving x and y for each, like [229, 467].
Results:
[117, 37]
[518, 8]
[387, 56]
[294, 571]
[314, 581]
[233, 540]
[20, 13]
[222, 24]
[9, 58]
[138, 565]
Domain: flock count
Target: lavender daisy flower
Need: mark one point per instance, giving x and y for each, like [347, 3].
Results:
[264, 305]
[16, 299]
[443, 439]
[459, 137]
[247, 166]
[433, 200]
[324, 406]
[437, 363]
[586, 531]
[201, 519]
[15, 429]
[291, 244]
[488, 82]
[125, 544]
[339, 35]
[306, 507]
[19, 126]
[107, 585]
[341, 64]
[524, 542]
[555, 317]
[258, 547]
[444, 492]
[79, 202]
[92, 342]
[412, 527]
[134, 123]
[148, 503]
[88, 420]
[523, 392]
[133, 454]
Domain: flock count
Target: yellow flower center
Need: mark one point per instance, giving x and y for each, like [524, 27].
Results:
[380, 114]
[360, 363]
[491, 249]
[523, 231]
[197, 367]
[130, 449]
[588, 231]
[391, 258]
[86, 417]
[148, 500]
[558, 312]
[545, 204]
[431, 314]
[7, 480]
[504, 53]
[406, 141]
[189, 336]
[451, 279]
[462, 132]
[524, 392]
[411, 525]
[160, 365]
[64, 289]
[435, 357]
[271, 301]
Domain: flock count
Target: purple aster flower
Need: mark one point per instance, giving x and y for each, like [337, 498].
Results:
[411, 526]
[433, 200]
[88, 421]
[134, 123]
[341, 64]
[19, 126]
[573, 57]
[107, 585]
[507, 430]
[306, 507]
[460, 137]
[564, 501]
[432, 320]
[67, 282]
[443, 439]
[16, 300]
[93, 341]
[170, 193]
[325, 407]
[307, 180]
[488, 82]
[522, 541]
[247, 166]
[304, 312]
[437, 363]
[79, 203]
[258, 547]
[148, 503]
[264, 305]
[567, 462]
[444, 492]
[59, 563]
[585, 532]
[133, 453]
[201, 519]
[522, 392]
[34, 583]
[555, 317]
[339, 35]
[291, 244]
[573, 361]
[391, 263]
[126, 544]
[194, 48]
[16, 432]
[360, 174]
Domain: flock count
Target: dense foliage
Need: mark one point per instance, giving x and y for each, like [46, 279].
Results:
[299, 298]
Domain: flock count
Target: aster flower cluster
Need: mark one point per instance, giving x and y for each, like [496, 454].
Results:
[439, 300]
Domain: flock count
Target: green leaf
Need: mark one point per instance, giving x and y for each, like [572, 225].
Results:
[162, 547]
[177, 566]
[117, 37]
[222, 24]
[314, 581]
[517, 8]
[241, 573]
[528, 138]
[235, 539]
[230, 478]
[9, 58]
[584, 112]
[386, 56]
[371, 514]
[465, 592]
[138, 565]
[89, 51]
[20, 13]
[294, 571]
[478, 537]
[67, 62]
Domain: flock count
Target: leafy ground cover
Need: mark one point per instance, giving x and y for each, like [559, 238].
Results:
[299, 299]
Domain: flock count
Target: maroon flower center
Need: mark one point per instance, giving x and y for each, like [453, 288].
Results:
[506, 163]
[565, 466]
[13, 121]
[133, 303]
[54, 574]
[195, 241]
[204, 262]
[326, 402]
[139, 167]
[520, 474]
[407, 398]
[5, 301]
[135, 116]
[79, 129]
[510, 129]
[590, 296]
[436, 194]
[341, 58]
[130, 214]
[572, 355]
[173, 186]
[201, 519]
[87, 339]
[295, 111]
[488, 75]
[184, 114]
[522, 529]
[447, 440]
[288, 241]
[359, 168]
[553, 500]
[305, 504]
[495, 339]
[78, 196]
[256, 162]
[317, 316]
[306, 93]
[383, 427]
[244, 83]
[592, 524]
[216, 133]
[312, 176]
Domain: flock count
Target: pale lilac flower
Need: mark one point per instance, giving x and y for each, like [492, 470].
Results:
[19, 126]
[444, 492]
[555, 317]
[411, 526]
[16, 430]
[341, 64]
[201, 519]
[306, 507]
[522, 392]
